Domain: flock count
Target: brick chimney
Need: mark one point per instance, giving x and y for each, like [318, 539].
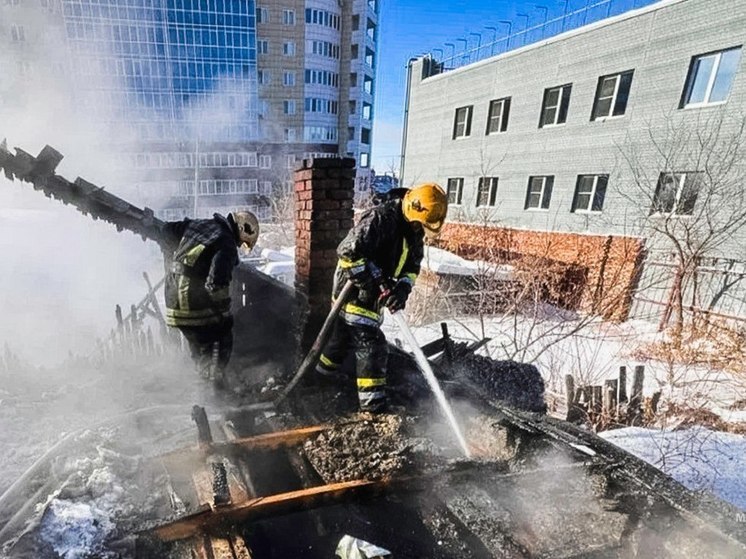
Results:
[324, 191]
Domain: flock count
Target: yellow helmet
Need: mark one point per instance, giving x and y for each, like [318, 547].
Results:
[248, 227]
[427, 204]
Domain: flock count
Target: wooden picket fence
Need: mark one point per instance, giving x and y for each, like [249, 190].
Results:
[611, 404]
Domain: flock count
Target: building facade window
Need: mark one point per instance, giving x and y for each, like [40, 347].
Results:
[710, 78]
[262, 77]
[17, 33]
[497, 117]
[486, 191]
[367, 111]
[555, 105]
[320, 133]
[676, 193]
[288, 48]
[369, 57]
[368, 85]
[262, 47]
[364, 159]
[323, 48]
[612, 94]
[291, 162]
[365, 136]
[262, 14]
[371, 30]
[322, 77]
[590, 191]
[265, 161]
[539, 193]
[316, 105]
[462, 122]
[288, 78]
[289, 134]
[455, 190]
[288, 17]
[322, 17]
[288, 106]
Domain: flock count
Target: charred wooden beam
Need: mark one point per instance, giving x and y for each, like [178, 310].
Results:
[261, 507]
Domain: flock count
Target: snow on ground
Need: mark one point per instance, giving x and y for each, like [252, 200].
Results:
[559, 342]
[700, 459]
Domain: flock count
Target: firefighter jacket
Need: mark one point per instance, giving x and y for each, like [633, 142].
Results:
[381, 237]
[199, 257]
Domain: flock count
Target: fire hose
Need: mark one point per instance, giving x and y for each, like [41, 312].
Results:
[318, 345]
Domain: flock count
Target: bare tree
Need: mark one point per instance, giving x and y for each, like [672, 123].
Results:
[690, 173]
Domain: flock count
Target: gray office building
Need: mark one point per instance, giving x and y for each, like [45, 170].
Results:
[598, 132]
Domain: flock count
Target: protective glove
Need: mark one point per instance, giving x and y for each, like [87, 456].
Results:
[395, 299]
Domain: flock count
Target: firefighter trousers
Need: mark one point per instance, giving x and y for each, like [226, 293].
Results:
[211, 346]
[369, 345]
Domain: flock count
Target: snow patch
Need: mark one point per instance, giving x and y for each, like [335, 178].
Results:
[77, 530]
[700, 459]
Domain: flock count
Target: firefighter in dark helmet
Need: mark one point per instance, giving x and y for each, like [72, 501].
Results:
[199, 256]
[381, 255]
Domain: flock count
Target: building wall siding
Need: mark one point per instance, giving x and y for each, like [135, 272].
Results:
[657, 42]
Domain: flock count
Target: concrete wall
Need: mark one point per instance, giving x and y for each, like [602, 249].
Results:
[657, 42]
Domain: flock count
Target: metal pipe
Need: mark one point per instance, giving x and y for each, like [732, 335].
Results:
[510, 31]
[479, 43]
[494, 39]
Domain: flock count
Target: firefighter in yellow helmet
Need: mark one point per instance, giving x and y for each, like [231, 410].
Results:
[199, 256]
[381, 255]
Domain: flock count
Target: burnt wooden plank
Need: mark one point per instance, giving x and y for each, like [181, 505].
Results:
[259, 507]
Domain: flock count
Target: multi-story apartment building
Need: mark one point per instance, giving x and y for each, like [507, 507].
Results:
[209, 105]
[595, 131]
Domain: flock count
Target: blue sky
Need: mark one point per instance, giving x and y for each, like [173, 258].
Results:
[410, 28]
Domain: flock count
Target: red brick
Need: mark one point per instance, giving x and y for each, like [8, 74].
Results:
[310, 174]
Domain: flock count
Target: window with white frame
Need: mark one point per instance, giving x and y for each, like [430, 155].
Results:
[288, 17]
[262, 15]
[486, 191]
[710, 78]
[676, 193]
[288, 48]
[288, 106]
[612, 94]
[590, 191]
[262, 76]
[462, 122]
[266, 187]
[539, 193]
[455, 190]
[262, 46]
[367, 111]
[364, 159]
[497, 117]
[289, 134]
[265, 161]
[288, 78]
[555, 105]
[17, 33]
[291, 162]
